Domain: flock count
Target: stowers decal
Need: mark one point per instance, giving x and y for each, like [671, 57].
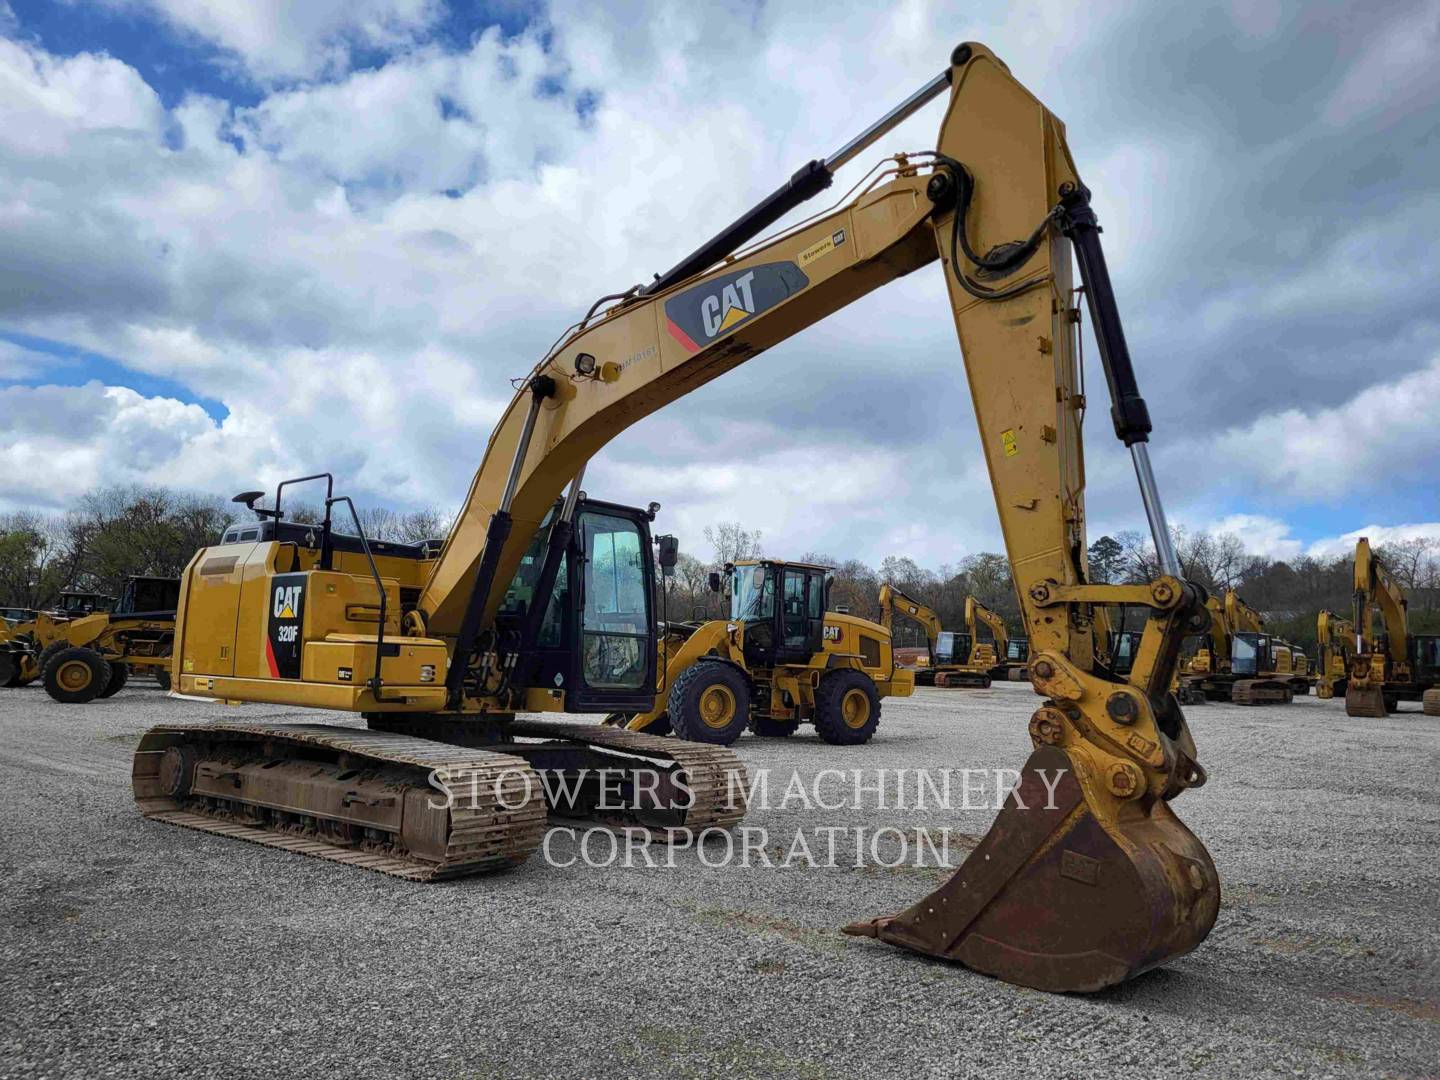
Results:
[698, 316]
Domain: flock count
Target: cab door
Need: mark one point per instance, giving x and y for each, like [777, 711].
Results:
[802, 615]
[612, 577]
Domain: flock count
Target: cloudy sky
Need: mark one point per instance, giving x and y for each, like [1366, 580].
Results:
[244, 241]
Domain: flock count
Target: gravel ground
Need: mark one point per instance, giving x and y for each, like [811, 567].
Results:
[133, 948]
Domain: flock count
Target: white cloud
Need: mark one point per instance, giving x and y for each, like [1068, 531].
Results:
[1386, 430]
[1379, 536]
[276, 39]
[1262, 535]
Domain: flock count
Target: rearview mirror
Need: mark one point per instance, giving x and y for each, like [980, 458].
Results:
[667, 554]
[714, 581]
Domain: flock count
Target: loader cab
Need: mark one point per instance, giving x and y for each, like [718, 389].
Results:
[149, 595]
[783, 607]
[597, 638]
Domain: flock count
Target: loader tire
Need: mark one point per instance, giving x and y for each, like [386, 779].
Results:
[54, 649]
[710, 703]
[767, 728]
[847, 708]
[162, 678]
[119, 676]
[76, 675]
[9, 670]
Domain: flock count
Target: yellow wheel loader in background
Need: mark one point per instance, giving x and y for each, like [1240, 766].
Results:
[1398, 665]
[84, 656]
[783, 658]
[1336, 638]
[951, 657]
[1086, 878]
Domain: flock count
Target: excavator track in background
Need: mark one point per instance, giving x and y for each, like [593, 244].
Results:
[1262, 692]
[362, 798]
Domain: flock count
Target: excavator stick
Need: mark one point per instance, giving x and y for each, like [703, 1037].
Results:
[1057, 899]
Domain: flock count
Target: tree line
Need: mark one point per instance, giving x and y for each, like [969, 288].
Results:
[115, 532]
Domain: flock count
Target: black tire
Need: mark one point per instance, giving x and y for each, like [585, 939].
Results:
[710, 703]
[66, 680]
[773, 729]
[9, 669]
[54, 649]
[847, 708]
[119, 676]
[162, 678]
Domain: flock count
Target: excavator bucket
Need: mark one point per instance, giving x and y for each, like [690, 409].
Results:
[1056, 899]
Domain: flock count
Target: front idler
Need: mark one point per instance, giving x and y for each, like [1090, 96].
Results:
[1057, 897]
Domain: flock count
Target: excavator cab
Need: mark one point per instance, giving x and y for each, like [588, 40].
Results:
[952, 647]
[597, 637]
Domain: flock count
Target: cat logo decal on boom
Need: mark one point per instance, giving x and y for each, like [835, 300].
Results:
[287, 614]
[698, 316]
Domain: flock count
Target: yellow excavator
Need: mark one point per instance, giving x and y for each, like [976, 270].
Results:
[1086, 878]
[997, 650]
[1336, 638]
[1398, 665]
[1240, 662]
[782, 658]
[951, 660]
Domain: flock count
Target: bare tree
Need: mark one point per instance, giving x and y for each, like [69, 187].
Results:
[732, 542]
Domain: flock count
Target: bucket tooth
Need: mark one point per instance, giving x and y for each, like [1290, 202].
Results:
[1058, 899]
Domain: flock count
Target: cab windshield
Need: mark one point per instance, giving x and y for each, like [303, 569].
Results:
[1245, 654]
[752, 596]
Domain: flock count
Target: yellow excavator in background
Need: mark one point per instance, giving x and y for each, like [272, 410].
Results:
[1240, 662]
[952, 661]
[542, 601]
[1398, 665]
[993, 654]
[782, 658]
[1336, 638]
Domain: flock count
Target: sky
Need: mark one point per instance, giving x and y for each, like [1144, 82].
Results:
[241, 242]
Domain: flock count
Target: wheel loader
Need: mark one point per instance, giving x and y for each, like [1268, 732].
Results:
[1086, 878]
[781, 659]
[88, 650]
[953, 660]
[1397, 665]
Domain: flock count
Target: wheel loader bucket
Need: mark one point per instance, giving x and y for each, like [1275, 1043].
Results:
[1056, 899]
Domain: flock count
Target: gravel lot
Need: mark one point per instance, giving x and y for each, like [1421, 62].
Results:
[133, 948]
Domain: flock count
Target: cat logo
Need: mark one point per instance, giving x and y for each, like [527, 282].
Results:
[283, 644]
[708, 312]
[734, 303]
[832, 632]
[287, 599]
